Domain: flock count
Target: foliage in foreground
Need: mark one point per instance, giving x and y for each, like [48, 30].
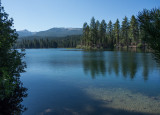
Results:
[150, 26]
[11, 65]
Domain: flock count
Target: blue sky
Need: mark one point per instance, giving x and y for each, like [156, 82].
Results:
[37, 15]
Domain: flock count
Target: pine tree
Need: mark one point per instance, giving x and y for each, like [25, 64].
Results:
[85, 36]
[125, 31]
[86, 39]
[97, 32]
[102, 33]
[116, 32]
[93, 31]
[134, 30]
[110, 34]
[150, 28]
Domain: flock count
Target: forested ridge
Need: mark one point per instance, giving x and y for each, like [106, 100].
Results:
[49, 42]
[141, 31]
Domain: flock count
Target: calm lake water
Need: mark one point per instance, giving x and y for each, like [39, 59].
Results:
[76, 82]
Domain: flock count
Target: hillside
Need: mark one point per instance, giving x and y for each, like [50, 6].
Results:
[53, 32]
[25, 33]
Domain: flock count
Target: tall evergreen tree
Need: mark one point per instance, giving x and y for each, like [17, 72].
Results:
[85, 35]
[97, 32]
[102, 33]
[117, 32]
[134, 30]
[150, 27]
[86, 39]
[125, 31]
[110, 33]
[93, 31]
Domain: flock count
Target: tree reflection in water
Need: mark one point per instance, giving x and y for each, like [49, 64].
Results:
[12, 91]
[156, 56]
[120, 63]
[94, 62]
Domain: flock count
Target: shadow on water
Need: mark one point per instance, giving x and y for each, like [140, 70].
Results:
[12, 91]
[69, 100]
[128, 63]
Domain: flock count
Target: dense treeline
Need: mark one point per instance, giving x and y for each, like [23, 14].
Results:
[103, 35]
[137, 32]
[50, 42]
[141, 31]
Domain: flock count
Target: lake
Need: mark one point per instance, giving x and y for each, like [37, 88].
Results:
[76, 82]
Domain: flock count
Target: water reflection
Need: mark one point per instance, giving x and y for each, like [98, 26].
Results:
[156, 56]
[126, 64]
[12, 91]
[94, 62]
[52, 77]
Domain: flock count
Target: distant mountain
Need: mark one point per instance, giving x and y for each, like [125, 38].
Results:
[25, 33]
[53, 32]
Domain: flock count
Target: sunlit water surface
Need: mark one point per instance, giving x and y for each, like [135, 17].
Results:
[76, 82]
